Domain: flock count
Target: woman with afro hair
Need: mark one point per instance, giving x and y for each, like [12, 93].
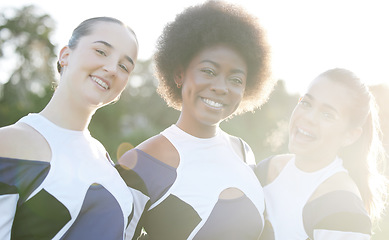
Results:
[193, 180]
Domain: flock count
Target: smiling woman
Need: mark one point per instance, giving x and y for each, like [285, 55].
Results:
[330, 186]
[56, 180]
[194, 180]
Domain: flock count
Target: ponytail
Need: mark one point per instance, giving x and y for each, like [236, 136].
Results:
[364, 159]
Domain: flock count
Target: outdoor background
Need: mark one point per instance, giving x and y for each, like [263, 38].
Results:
[28, 51]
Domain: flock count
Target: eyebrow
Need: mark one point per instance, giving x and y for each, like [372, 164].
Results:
[325, 105]
[110, 46]
[237, 70]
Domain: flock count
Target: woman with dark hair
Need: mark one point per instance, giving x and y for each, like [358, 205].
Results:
[329, 187]
[56, 180]
[193, 181]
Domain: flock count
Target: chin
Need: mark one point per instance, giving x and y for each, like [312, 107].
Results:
[297, 150]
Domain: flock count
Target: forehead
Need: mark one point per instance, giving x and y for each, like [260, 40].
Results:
[115, 34]
[325, 91]
[223, 54]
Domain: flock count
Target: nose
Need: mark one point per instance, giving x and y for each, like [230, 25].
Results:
[219, 85]
[111, 67]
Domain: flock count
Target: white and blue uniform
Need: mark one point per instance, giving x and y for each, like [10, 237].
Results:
[77, 195]
[334, 215]
[184, 203]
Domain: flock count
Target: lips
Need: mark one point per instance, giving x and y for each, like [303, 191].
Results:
[304, 135]
[102, 83]
[212, 103]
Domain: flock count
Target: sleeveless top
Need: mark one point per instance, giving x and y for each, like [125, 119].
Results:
[184, 203]
[339, 214]
[77, 195]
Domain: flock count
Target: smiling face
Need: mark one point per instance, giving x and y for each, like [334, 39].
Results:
[97, 70]
[320, 123]
[213, 87]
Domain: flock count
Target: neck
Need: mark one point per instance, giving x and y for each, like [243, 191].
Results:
[67, 114]
[313, 163]
[197, 129]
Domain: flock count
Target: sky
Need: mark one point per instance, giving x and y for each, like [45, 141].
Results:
[307, 37]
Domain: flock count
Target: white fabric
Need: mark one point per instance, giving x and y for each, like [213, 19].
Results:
[78, 161]
[322, 234]
[206, 161]
[140, 201]
[7, 212]
[287, 195]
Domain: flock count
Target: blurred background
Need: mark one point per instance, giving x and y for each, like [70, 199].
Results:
[28, 52]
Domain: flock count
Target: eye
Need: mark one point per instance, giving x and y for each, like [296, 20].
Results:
[304, 104]
[101, 52]
[124, 67]
[208, 71]
[329, 116]
[236, 80]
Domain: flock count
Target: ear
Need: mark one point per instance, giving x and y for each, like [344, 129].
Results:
[179, 76]
[64, 55]
[352, 136]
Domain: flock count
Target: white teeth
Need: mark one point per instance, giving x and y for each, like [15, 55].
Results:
[304, 132]
[212, 103]
[100, 82]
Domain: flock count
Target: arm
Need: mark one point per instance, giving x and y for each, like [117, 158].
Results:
[138, 188]
[339, 235]
[336, 211]
[9, 194]
[338, 215]
[18, 174]
[148, 174]
[23, 142]
[269, 168]
[8, 200]
[18, 179]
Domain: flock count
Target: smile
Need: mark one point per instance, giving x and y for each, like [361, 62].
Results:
[100, 82]
[212, 103]
[304, 136]
[305, 133]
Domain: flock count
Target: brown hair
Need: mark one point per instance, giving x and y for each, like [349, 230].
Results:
[366, 157]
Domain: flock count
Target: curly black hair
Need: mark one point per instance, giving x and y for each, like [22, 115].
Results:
[205, 25]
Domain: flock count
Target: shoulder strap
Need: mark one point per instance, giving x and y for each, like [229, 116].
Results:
[248, 155]
[243, 150]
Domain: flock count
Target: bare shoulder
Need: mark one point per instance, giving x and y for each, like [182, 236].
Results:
[162, 149]
[276, 164]
[338, 182]
[21, 141]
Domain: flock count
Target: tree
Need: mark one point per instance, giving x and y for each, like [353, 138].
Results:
[25, 42]
[266, 129]
[139, 114]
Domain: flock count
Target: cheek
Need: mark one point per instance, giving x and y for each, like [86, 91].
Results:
[242, 93]
[122, 87]
[187, 89]
[293, 116]
[334, 132]
[123, 77]
[237, 92]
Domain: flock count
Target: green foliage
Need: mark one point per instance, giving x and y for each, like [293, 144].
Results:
[25, 34]
[265, 130]
[140, 113]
